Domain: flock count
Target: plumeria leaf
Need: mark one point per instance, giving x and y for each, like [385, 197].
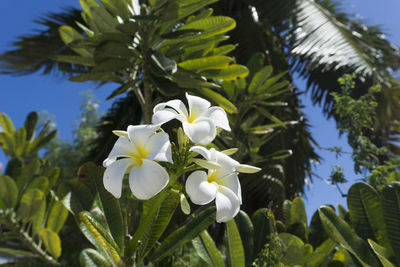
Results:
[207, 164]
[185, 233]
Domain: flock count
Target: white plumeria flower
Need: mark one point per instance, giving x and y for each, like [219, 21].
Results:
[199, 123]
[220, 183]
[135, 152]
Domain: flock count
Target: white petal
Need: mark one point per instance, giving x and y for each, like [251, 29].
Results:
[218, 115]
[122, 148]
[163, 116]
[197, 105]
[107, 162]
[232, 182]
[136, 6]
[112, 178]
[201, 131]
[139, 134]
[228, 204]
[199, 189]
[160, 147]
[148, 179]
[202, 151]
[228, 164]
[175, 104]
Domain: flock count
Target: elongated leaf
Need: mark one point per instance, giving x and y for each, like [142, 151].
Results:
[8, 191]
[41, 183]
[298, 211]
[262, 229]
[38, 218]
[205, 63]
[92, 258]
[246, 230]
[51, 242]
[391, 215]
[294, 249]
[30, 203]
[232, 72]
[6, 124]
[201, 251]
[26, 173]
[17, 252]
[321, 254]
[235, 246]
[157, 227]
[57, 217]
[120, 90]
[219, 99]
[30, 124]
[20, 141]
[341, 232]
[68, 35]
[259, 79]
[185, 233]
[177, 10]
[365, 208]
[80, 197]
[110, 204]
[72, 59]
[210, 248]
[382, 253]
[99, 237]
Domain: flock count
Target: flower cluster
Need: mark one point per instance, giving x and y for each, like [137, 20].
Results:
[139, 149]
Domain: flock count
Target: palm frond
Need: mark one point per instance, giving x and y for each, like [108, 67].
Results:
[32, 53]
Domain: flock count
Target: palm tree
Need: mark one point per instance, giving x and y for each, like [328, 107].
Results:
[311, 38]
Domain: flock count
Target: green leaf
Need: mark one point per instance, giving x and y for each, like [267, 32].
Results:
[366, 215]
[235, 247]
[286, 210]
[231, 72]
[68, 35]
[391, 215]
[163, 64]
[207, 250]
[112, 49]
[40, 183]
[120, 90]
[30, 124]
[259, 79]
[27, 173]
[222, 50]
[206, 63]
[111, 65]
[73, 59]
[321, 254]
[185, 206]
[57, 217]
[157, 227]
[262, 229]
[92, 258]
[8, 191]
[38, 218]
[51, 242]
[298, 211]
[270, 85]
[99, 236]
[8, 144]
[246, 230]
[30, 203]
[110, 204]
[210, 26]
[341, 232]
[6, 124]
[184, 234]
[80, 197]
[294, 249]
[103, 20]
[219, 99]
[179, 9]
[20, 141]
[17, 252]
[382, 253]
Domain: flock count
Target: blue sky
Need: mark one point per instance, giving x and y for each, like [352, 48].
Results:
[20, 95]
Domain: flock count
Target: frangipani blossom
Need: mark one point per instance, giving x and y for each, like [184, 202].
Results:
[199, 123]
[220, 183]
[135, 153]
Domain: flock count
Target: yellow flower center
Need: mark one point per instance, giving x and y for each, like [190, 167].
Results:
[141, 153]
[212, 177]
[192, 117]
